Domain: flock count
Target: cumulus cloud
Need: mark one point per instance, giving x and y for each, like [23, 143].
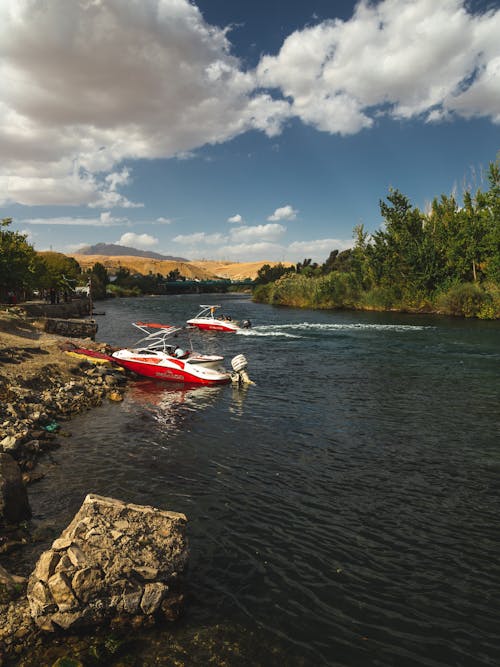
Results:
[284, 213]
[163, 221]
[250, 252]
[269, 232]
[199, 238]
[142, 241]
[261, 242]
[91, 85]
[318, 250]
[236, 219]
[88, 85]
[405, 58]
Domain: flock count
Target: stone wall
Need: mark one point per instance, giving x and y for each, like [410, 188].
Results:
[74, 308]
[71, 328]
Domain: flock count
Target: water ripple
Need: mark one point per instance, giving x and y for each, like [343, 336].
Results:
[343, 511]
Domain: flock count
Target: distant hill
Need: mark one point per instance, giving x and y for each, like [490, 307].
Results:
[114, 250]
[202, 270]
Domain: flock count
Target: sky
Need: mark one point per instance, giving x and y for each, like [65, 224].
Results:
[239, 131]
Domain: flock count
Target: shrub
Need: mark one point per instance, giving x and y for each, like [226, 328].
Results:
[466, 300]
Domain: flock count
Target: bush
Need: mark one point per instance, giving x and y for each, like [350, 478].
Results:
[117, 290]
[466, 300]
[381, 298]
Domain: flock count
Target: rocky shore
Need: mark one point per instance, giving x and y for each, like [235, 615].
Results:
[42, 384]
[84, 579]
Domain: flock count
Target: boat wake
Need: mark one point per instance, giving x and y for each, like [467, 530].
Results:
[284, 330]
[267, 331]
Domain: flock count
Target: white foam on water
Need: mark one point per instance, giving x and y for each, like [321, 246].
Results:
[279, 329]
[265, 331]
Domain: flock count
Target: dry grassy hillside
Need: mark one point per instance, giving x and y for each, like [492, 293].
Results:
[234, 270]
[203, 270]
[143, 265]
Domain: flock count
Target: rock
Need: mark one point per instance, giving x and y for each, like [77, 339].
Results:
[61, 591]
[152, 597]
[14, 506]
[46, 565]
[87, 579]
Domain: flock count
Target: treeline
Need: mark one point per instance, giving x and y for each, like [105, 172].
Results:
[446, 260]
[26, 273]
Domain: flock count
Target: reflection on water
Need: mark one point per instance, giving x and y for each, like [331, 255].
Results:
[164, 395]
[342, 511]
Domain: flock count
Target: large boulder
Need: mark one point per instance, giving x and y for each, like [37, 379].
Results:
[14, 505]
[115, 562]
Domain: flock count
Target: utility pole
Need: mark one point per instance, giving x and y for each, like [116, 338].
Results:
[91, 306]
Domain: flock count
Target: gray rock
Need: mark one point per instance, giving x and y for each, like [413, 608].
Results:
[87, 578]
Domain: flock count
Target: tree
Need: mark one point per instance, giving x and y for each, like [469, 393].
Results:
[57, 270]
[268, 274]
[99, 271]
[174, 276]
[338, 261]
[17, 261]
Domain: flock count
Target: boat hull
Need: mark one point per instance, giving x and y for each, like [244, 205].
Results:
[209, 324]
[174, 371]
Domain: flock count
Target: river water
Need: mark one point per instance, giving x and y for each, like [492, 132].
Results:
[344, 510]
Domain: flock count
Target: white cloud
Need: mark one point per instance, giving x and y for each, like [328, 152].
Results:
[270, 232]
[90, 84]
[260, 243]
[163, 221]
[132, 240]
[199, 238]
[87, 85]
[251, 252]
[104, 220]
[317, 250]
[236, 219]
[402, 57]
[67, 185]
[284, 213]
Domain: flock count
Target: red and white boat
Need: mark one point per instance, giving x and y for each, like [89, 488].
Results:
[208, 321]
[156, 357]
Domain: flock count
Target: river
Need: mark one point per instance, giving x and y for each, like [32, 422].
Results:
[344, 510]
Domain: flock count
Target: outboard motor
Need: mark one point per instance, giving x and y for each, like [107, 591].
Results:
[246, 324]
[240, 375]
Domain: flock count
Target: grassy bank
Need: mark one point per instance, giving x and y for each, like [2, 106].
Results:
[342, 291]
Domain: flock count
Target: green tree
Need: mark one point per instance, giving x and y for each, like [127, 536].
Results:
[174, 276]
[268, 274]
[17, 261]
[100, 271]
[56, 270]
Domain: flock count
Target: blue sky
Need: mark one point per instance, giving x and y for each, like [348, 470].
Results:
[239, 130]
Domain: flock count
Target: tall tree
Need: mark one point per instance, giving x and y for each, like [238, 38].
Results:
[17, 261]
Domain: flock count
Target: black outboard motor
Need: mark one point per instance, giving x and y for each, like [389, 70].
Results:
[246, 324]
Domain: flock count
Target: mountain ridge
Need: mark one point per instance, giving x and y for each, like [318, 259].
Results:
[115, 250]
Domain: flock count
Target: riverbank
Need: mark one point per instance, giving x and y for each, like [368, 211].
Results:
[341, 291]
[41, 386]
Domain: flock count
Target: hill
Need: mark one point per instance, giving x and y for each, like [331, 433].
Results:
[201, 270]
[114, 250]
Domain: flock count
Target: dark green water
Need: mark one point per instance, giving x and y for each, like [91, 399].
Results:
[342, 511]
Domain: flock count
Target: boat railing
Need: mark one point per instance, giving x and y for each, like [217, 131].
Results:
[156, 339]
